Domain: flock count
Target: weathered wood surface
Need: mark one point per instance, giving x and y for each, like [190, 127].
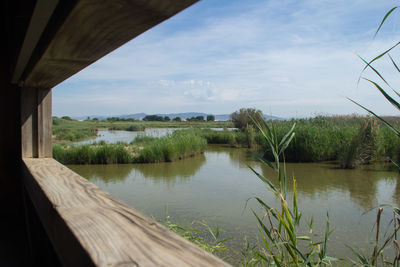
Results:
[36, 122]
[93, 29]
[110, 232]
[45, 123]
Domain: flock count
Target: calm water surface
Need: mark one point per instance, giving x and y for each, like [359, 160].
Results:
[217, 184]
[125, 136]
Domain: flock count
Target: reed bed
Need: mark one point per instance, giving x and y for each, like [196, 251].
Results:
[347, 139]
[73, 130]
[92, 154]
[179, 145]
[280, 241]
[130, 128]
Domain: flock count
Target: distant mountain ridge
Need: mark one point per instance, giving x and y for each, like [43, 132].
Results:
[183, 116]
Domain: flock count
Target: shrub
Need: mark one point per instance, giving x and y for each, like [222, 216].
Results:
[210, 118]
[245, 116]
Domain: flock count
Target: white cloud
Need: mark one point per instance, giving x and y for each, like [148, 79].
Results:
[288, 56]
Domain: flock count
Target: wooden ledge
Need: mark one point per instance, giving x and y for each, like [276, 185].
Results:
[88, 226]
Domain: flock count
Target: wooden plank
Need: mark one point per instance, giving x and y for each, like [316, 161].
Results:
[44, 123]
[36, 123]
[40, 17]
[110, 232]
[29, 122]
[90, 31]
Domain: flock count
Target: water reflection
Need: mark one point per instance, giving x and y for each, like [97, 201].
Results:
[172, 173]
[321, 178]
[166, 172]
[112, 173]
[217, 184]
[126, 136]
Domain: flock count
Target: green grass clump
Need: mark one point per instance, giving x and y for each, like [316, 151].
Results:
[142, 139]
[317, 139]
[178, 145]
[218, 137]
[72, 130]
[199, 233]
[68, 134]
[92, 154]
[362, 147]
[279, 227]
[130, 128]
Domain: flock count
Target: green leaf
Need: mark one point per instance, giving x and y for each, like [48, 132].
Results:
[381, 119]
[362, 258]
[262, 225]
[384, 18]
[381, 55]
[265, 180]
[286, 144]
[394, 63]
[383, 92]
[287, 135]
[304, 237]
[383, 79]
[265, 162]
[268, 208]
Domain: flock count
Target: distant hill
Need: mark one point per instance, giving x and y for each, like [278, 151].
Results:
[183, 116]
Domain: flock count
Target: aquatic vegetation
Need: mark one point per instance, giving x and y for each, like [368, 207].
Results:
[378, 258]
[281, 243]
[362, 147]
[199, 233]
[92, 154]
[179, 145]
[130, 128]
[66, 129]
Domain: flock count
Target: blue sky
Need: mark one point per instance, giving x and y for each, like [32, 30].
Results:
[285, 57]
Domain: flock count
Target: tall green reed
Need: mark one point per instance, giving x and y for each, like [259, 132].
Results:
[378, 258]
[279, 228]
[362, 147]
[178, 145]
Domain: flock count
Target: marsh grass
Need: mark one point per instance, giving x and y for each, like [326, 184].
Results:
[319, 139]
[129, 128]
[382, 242]
[362, 147]
[281, 244]
[73, 130]
[377, 256]
[199, 233]
[100, 153]
[178, 145]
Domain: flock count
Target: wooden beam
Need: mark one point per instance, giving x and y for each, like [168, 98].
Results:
[36, 123]
[91, 30]
[41, 15]
[44, 123]
[87, 226]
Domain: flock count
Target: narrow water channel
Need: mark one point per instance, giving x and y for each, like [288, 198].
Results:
[216, 185]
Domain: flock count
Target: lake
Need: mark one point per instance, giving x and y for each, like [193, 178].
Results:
[216, 185]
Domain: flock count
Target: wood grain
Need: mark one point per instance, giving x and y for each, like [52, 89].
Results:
[109, 232]
[44, 123]
[92, 29]
[36, 122]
